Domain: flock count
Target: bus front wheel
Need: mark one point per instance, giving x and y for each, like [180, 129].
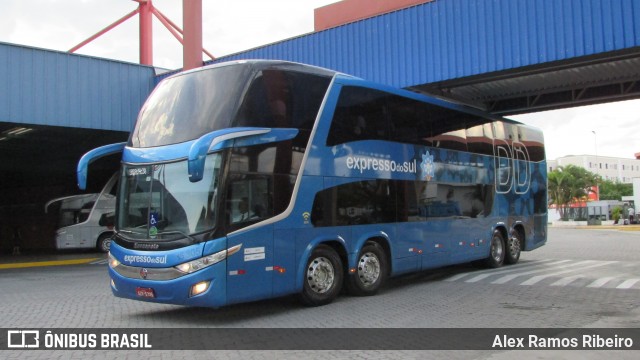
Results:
[323, 277]
[371, 271]
[497, 251]
[104, 242]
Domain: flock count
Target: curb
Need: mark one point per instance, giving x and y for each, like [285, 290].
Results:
[47, 263]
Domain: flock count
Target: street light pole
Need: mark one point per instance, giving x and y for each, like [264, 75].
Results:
[595, 144]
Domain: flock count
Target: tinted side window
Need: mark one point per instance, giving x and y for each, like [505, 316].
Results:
[387, 201]
[367, 114]
[480, 139]
[408, 120]
[252, 198]
[282, 99]
[533, 140]
[357, 203]
[422, 201]
[451, 140]
[360, 114]
[280, 158]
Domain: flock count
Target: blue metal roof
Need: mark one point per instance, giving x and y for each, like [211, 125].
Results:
[449, 39]
[46, 87]
[427, 43]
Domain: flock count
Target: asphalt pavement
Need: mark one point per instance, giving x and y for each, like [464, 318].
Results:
[29, 259]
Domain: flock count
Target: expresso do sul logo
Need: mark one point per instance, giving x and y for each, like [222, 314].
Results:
[427, 167]
[366, 163]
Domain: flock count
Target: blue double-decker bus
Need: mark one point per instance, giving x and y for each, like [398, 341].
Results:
[250, 180]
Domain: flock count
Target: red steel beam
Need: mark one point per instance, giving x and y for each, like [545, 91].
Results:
[101, 32]
[192, 17]
[175, 31]
[192, 46]
[146, 31]
[161, 16]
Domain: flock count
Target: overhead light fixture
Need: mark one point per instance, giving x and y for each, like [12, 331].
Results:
[17, 131]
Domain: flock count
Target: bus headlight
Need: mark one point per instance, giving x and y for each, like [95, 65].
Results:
[199, 288]
[113, 262]
[206, 261]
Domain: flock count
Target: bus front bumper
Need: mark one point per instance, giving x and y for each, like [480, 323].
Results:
[206, 287]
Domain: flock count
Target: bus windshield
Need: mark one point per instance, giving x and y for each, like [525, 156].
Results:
[185, 107]
[158, 202]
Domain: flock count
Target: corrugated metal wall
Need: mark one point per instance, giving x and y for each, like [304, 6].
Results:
[448, 39]
[436, 41]
[59, 89]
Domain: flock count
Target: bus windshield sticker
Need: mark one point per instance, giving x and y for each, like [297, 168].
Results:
[153, 221]
[137, 171]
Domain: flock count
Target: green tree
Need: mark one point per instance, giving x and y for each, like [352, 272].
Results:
[610, 190]
[569, 184]
[616, 213]
[559, 193]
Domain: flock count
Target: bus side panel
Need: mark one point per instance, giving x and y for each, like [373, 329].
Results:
[284, 262]
[539, 197]
[540, 232]
[250, 273]
[410, 240]
[460, 237]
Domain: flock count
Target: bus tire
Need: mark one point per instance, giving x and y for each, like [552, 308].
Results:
[497, 250]
[371, 271]
[323, 277]
[514, 246]
[104, 242]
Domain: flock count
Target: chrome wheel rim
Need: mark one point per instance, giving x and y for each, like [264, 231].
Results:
[320, 275]
[496, 249]
[105, 244]
[368, 269]
[514, 247]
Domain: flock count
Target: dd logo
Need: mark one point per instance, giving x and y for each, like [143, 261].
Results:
[511, 164]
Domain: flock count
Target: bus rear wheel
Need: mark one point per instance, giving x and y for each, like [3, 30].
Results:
[323, 277]
[371, 271]
[104, 242]
[514, 246]
[497, 252]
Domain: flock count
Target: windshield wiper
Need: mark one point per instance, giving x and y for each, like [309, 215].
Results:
[173, 232]
[118, 232]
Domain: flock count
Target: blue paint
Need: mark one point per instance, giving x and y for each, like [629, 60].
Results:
[427, 204]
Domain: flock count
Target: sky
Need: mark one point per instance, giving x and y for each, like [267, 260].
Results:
[237, 25]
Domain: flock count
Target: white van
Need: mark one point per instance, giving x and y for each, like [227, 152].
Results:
[86, 221]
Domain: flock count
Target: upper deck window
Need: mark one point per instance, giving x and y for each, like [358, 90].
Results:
[279, 98]
[185, 107]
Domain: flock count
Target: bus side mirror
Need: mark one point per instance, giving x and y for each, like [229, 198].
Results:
[88, 158]
[214, 140]
[221, 139]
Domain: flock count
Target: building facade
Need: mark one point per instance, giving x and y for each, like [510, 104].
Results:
[622, 170]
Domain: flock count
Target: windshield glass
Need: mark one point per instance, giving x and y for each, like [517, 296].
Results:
[184, 107]
[159, 202]
[76, 209]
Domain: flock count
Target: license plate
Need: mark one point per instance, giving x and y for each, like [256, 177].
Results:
[145, 292]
